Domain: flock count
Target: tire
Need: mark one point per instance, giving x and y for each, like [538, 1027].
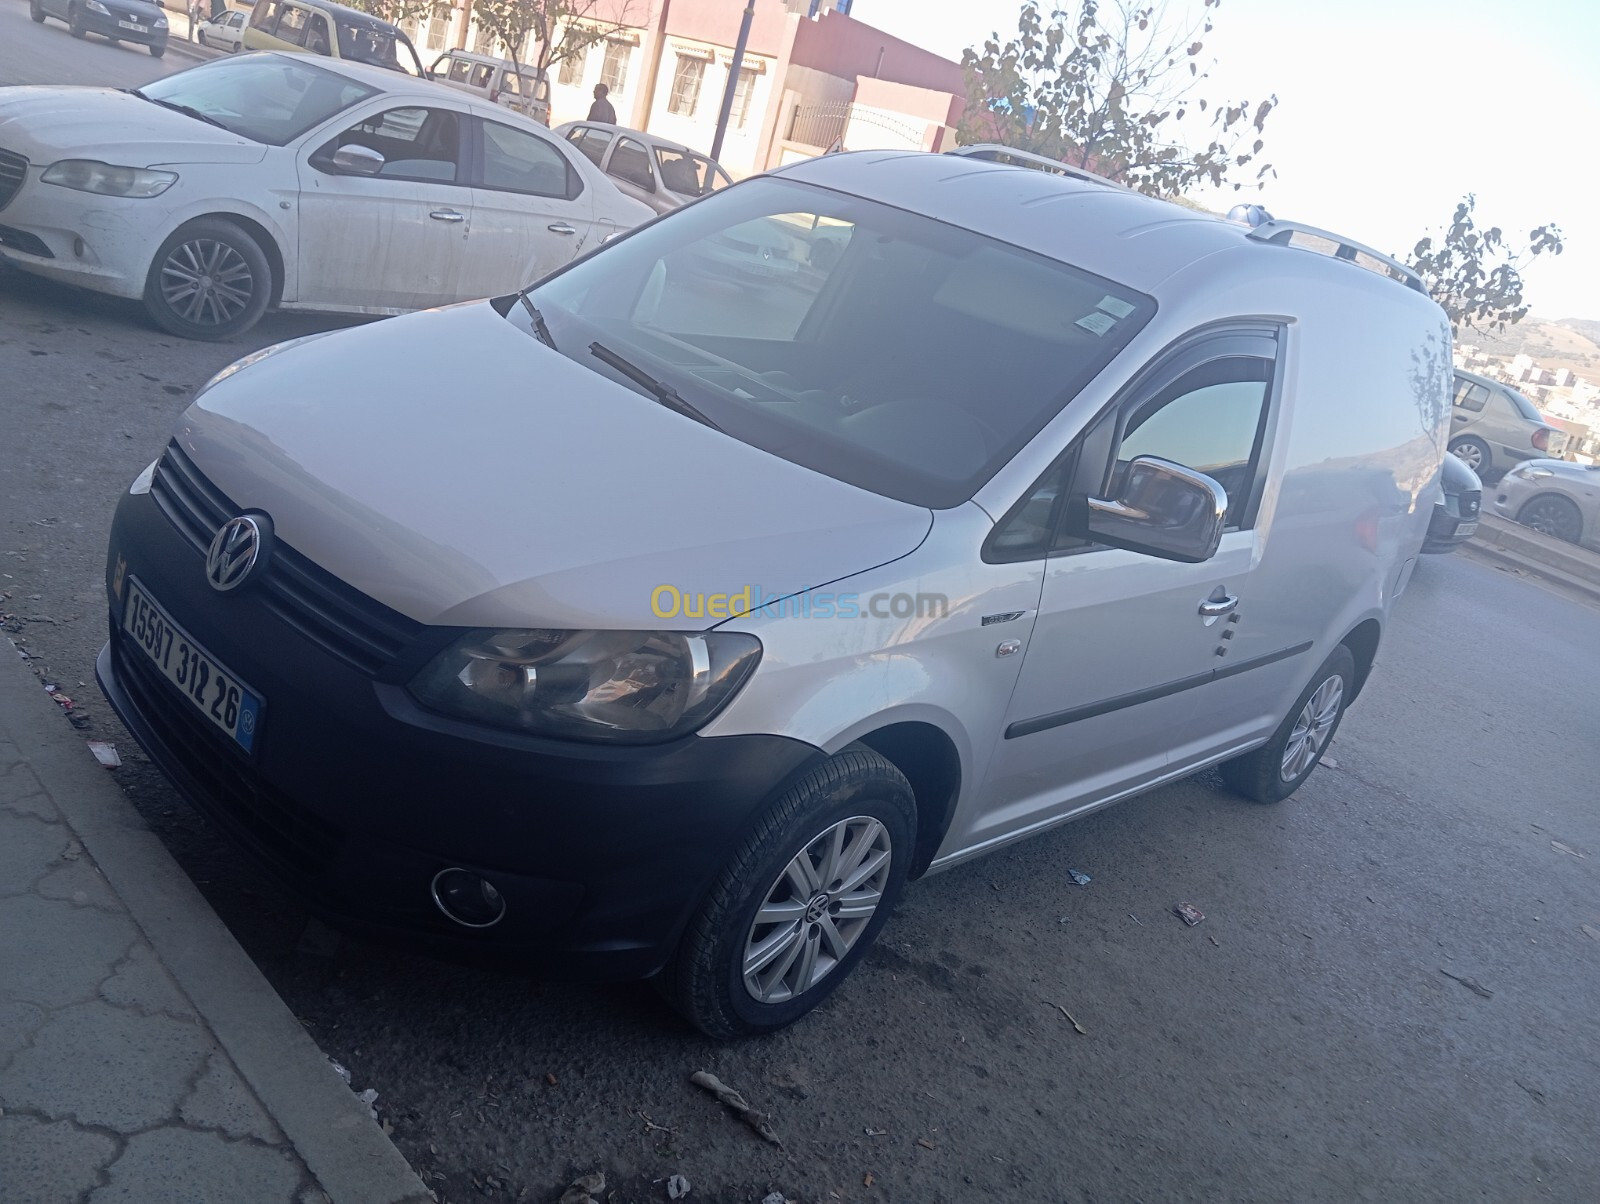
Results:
[201, 34]
[1473, 452]
[35, 11]
[1269, 774]
[158, 49]
[1553, 515]
[208, 248]
[74, 23]
[856, 805]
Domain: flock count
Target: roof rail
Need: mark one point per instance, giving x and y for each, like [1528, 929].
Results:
[994, 152]
[1281, 233]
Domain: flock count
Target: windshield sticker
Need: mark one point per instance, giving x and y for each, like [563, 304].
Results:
[1114, 307]
[1097, 323]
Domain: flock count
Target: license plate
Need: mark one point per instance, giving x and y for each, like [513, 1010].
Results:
[1465, 529]
[209, 685]
[134, 25]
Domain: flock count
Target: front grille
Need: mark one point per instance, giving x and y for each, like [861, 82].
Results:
[13, 170]
[294, 839]
[357, 629]
[1471, 500]
[21, 240]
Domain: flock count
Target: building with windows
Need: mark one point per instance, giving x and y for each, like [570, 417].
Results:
[813, 77]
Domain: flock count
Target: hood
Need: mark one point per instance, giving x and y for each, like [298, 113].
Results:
[66, 122]
[459, 471]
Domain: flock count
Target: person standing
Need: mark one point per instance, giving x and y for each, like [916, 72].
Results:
[601, 109]
[196, 15]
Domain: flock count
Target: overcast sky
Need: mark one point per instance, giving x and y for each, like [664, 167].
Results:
[1391, 110]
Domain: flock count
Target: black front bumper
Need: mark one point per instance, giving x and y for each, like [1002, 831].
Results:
[107, 27]
[355, 797]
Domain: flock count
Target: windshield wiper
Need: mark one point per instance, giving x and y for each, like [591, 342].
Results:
[186, 110]
[540, 326]
[662, 391]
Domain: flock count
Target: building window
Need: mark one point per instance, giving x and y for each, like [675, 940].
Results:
[614, 71]
[437, 27]
[686, 86]
[572, 67]
[743, 92]
[483, 41]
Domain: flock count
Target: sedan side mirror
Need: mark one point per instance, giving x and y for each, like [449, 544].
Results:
[1164, 510]
[356, 160]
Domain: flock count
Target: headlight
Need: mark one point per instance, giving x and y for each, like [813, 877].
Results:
[633, 687]
[161, 22]
[95, 6]
[141, 483]
[88, 175]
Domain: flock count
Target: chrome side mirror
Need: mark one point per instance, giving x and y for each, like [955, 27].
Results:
[1164, 510]
[357, 160]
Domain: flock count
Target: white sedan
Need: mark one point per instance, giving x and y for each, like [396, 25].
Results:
[224, 31]
[278, 179]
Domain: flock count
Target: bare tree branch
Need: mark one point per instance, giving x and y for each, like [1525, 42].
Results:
[1102, 84]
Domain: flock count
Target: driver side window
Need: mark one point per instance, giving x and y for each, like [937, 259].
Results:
[1212, 417]
[416, 144]
[1210, 420]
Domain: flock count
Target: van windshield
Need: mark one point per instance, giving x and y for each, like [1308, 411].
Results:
[381, 47]
[885, 349]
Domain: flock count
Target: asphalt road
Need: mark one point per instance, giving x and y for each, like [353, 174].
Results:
[48, 54]
[1311, 1040]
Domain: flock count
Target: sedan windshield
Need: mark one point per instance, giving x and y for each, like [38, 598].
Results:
[885, 349]
[268, 98]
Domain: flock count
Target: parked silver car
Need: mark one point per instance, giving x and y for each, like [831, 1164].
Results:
[701, 620]
[1492, 426]
[662, 174]
[1553, 496]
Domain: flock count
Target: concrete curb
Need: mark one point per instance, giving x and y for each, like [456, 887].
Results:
[1571, 571]
[1511, 537]
[328, 1126]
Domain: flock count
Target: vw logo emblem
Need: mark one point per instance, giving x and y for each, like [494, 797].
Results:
[235, 551]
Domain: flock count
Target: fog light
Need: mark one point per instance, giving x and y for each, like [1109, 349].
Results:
[469, 899]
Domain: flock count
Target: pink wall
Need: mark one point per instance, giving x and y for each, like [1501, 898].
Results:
[842, 46]
[717, 22]
[929, 104]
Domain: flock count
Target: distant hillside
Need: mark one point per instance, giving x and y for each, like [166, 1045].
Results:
[1571, 343]
[1587, 327]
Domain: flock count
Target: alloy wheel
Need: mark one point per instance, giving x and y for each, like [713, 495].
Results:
[816, 909]
[1552, 516]
[1469, 454]
[206, 282]
[1311, 728]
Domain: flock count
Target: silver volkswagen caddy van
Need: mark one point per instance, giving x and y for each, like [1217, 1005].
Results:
[664, 620]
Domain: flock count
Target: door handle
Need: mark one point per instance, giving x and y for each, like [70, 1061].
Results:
[1215, 608]
[447, 215]
[561, 228]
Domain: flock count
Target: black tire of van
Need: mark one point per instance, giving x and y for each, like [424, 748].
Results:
[1259, 775]
[200, 233]
[704, 981]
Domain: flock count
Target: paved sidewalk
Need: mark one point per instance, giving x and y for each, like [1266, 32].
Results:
[143, 1058]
